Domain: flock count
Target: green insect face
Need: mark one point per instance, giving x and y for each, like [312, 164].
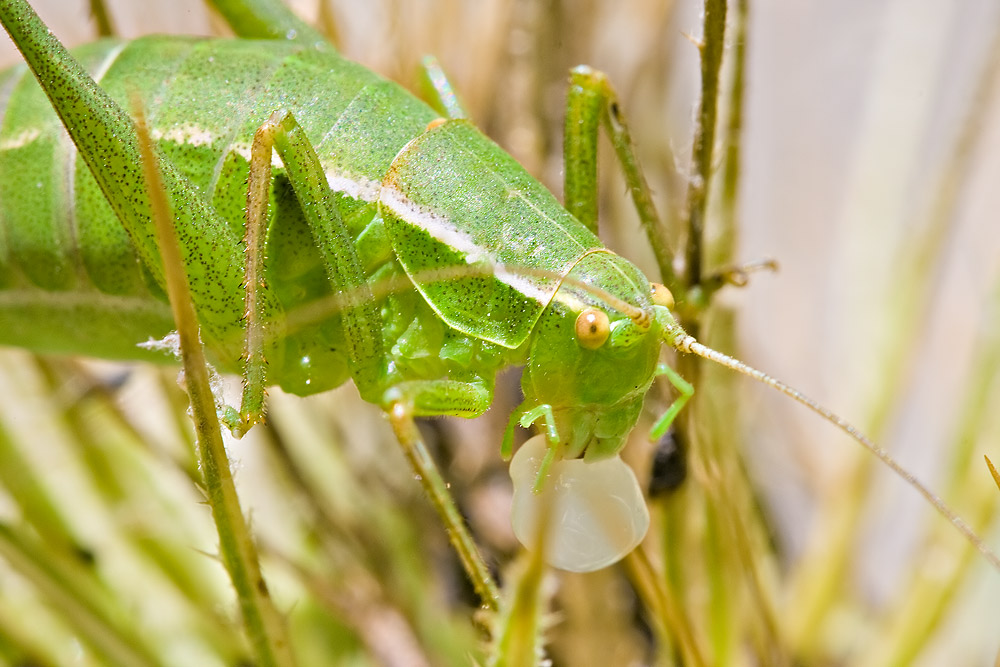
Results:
[592, 363]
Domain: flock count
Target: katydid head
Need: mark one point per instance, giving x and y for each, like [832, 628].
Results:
[592, 358]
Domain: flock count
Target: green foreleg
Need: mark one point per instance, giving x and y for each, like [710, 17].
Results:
[526, 418]
[584, 107]
[685, 392]
[551, 434]
[533, 415]
[361, 321]
[255, 320]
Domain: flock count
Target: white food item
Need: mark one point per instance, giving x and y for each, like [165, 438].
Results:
[598, 514]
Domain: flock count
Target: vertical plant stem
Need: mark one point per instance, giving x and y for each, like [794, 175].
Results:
[264, 624]
[734, 130]
[521, 623]
[711, 49]
[742, 525]
[706, 451]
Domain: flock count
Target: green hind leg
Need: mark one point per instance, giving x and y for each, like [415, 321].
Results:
[361, 321]
[591, 103]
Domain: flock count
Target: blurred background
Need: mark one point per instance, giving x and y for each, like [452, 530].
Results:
[868, 167]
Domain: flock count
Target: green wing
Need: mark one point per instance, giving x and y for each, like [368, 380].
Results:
[453, 198]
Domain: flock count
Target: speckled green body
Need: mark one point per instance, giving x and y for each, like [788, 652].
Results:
[80, 273]
[68, 266]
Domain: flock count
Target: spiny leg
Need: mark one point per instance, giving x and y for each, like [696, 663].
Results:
[402, 404]
[592, 101]
[585, 106]
[361, 321]
[362, 326]
[254, 321]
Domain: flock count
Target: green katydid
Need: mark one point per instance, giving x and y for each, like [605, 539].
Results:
[371, 189]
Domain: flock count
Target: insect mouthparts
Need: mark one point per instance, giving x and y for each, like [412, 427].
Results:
[641, 318]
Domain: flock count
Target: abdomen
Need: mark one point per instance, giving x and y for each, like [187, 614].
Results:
[70, 279]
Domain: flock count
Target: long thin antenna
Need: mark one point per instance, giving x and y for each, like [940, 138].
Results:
[688, 344]
[674, 335]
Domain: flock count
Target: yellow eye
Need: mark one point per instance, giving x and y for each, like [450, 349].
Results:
[592, 328]
[662, 296]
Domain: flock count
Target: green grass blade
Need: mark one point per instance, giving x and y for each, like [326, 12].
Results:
[265, 625]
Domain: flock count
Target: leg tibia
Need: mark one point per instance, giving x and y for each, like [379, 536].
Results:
[684, 390]
[593, 101]
[585, 104]
[361, 321]
[436, 488]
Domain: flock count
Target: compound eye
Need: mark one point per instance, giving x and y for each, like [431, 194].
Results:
[592, 328]
[662, 296]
